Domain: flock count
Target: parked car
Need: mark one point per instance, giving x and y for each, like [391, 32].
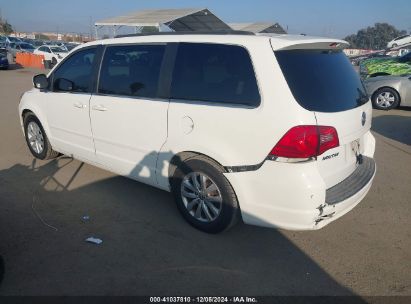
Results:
[3, 42]
[38, 43]
[405, 39]
[70, 46]
[4, 62]
[403, 52]
[22, 47]
[229, 124]
[10, 39]
[386, 66]
[53, 53]
[389, 92]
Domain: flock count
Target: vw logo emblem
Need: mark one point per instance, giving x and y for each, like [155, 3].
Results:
[363, 118]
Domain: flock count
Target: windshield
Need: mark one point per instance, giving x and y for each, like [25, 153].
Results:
[26, 46]
[58, 50]
[3, 53]
[14, 39]
[322, 80]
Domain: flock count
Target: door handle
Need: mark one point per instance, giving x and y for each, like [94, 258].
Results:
[99, 108]
[79, 105]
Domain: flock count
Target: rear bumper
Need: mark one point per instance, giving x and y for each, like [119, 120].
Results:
[344, 196]
[294, 196]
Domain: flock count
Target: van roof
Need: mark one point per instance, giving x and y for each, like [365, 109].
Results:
[278, 41]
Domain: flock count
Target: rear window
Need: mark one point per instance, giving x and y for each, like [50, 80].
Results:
[322, 80]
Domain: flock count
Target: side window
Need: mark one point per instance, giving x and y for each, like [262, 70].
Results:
[215, 73]
[131, 70]
[401, 37]
[77, 69]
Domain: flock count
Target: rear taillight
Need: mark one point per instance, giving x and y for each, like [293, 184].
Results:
[328, 139]
[306, 142]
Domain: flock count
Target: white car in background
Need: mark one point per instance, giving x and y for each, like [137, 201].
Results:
[52, 53]
[399, 41]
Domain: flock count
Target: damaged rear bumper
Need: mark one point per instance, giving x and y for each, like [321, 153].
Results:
[295, 197]
[344, 196]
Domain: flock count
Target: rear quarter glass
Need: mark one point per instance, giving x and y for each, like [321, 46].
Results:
[322, 80]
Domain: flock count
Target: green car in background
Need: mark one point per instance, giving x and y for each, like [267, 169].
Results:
[386, 66]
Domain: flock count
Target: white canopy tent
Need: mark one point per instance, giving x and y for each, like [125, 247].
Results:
[166, 20]
[258, 27]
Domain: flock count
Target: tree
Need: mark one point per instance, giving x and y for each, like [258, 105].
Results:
[374, 37]
[6, 27]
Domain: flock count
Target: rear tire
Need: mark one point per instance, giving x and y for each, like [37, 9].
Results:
[385, 99]
[394, 45]
[53, 61]
[204, 196]
[36, 138]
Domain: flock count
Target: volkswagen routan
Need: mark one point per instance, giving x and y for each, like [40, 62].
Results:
[270, 129]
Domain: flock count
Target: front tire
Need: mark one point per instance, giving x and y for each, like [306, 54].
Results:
[204, 196]
[36, 138]
[386, 99]
[53, 61]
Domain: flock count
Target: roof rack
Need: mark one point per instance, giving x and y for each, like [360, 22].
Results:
[228, 32]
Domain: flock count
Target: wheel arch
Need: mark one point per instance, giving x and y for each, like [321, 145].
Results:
[379, 74]
[183, 156]
[40, 116]
[387, 87]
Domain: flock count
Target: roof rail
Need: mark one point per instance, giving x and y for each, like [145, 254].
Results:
[224, 32]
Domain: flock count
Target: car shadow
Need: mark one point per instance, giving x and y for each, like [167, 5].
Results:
[15, 66]
[1, 269]
[395, 127]
[147, 246]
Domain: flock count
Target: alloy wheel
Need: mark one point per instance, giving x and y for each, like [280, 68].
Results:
[201, 196]
[385, 99]
[35, 137]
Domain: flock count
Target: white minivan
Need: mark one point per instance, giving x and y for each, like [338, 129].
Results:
[272, 129]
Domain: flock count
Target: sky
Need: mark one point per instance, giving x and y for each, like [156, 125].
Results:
[331, 18]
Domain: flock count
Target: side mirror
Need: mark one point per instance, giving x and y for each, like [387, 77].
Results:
[64, 85]
[40, 82]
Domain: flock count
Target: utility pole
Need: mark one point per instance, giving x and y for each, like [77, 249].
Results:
[91, 28]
